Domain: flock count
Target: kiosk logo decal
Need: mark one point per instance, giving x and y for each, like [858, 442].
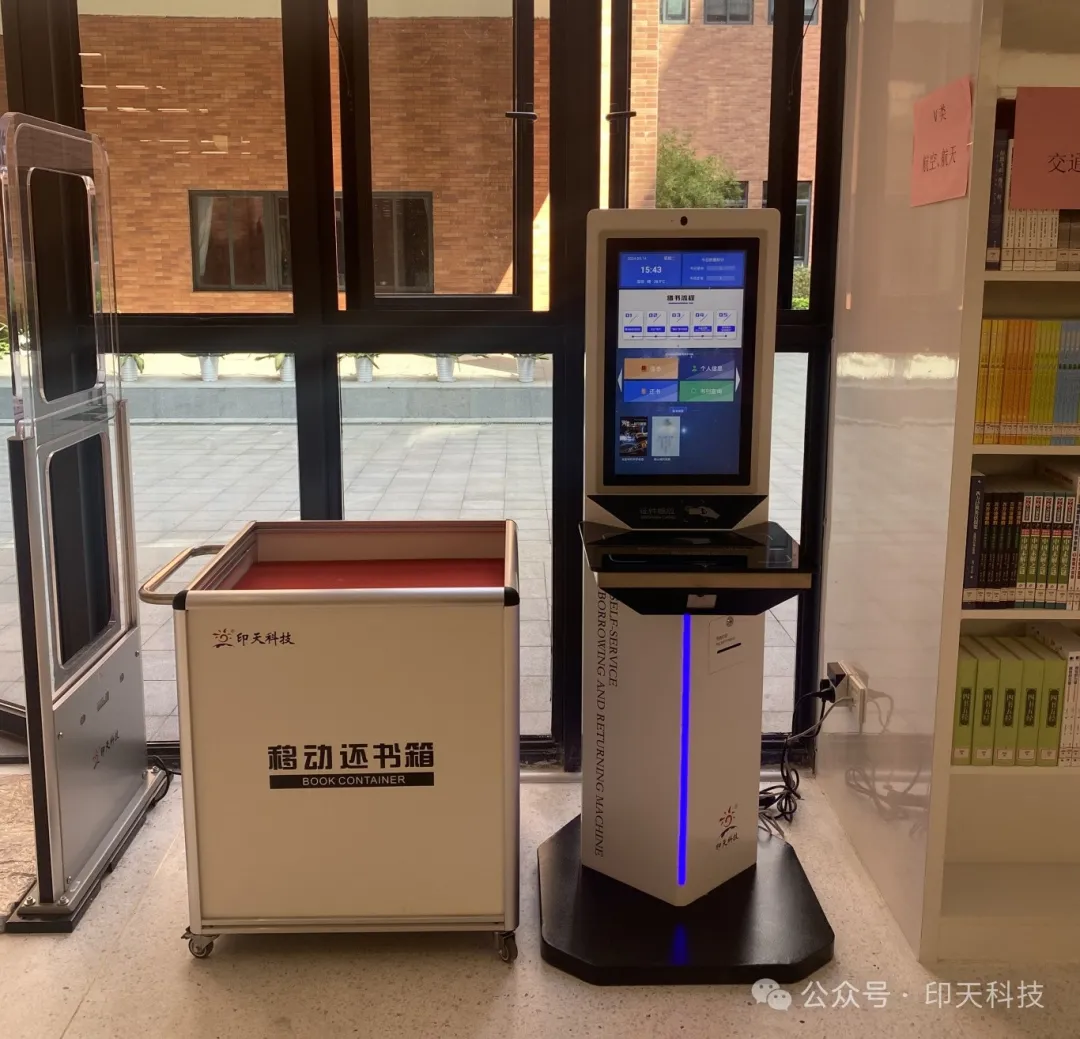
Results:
[729, 828]
[230, 638]
[309, 766]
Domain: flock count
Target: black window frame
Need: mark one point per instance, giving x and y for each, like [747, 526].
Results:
[683, 20]
[807, 331]
[811, 11]
[351, 32]
[804, 194]
[41, 44]
[716, 19]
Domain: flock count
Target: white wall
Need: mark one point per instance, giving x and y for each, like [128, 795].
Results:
[900, 298]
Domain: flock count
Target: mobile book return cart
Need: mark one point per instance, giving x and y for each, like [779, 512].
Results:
[348, 705]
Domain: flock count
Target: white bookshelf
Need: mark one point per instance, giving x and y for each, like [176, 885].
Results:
[1043, 276]
[1000, 616]
[995, 871]
[1033, 450]
[1013, 774]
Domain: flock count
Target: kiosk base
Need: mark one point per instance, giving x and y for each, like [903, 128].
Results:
[764, 923]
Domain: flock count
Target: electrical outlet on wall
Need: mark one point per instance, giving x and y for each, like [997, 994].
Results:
[850, 685]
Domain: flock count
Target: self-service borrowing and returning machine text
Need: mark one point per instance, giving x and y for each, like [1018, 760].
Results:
[665, 877]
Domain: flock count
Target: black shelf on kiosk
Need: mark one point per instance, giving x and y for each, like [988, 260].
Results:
[744, 571]
[761, 547]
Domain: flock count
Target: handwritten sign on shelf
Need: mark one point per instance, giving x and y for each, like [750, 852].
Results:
[1046, 149]
[941, 154]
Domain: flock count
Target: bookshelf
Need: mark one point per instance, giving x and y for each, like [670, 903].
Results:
[982, 862]
[1043, 276]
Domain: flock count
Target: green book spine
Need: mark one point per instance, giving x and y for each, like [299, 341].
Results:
[1057, 529]
[1010, 680]
[966, 671]
[1053, 703]
[1033, 550]
[985, 712]
[1065, 565]
[1029, 708]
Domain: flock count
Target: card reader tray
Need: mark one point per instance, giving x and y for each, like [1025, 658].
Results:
[744, 571]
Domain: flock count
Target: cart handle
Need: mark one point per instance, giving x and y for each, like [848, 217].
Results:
[149, 593]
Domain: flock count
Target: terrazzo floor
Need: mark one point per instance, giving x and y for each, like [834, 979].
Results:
[126, 973]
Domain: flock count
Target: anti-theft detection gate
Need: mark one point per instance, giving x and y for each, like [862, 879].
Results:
[665, 877]
[73, 524]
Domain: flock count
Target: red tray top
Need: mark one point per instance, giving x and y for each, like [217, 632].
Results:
[374, 573]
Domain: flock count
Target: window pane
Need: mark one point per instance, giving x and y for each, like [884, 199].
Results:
[461, 437]
[414, 236]
[383, 245]
[210, 241]
[339, 237]
[785, 508]
[284, 241]
[674, 10]
[81, 544]
[187, 100]
[248, 238]
[541, 157]
[694, 141]
[207, 457]
[740, 11]
[440, 90]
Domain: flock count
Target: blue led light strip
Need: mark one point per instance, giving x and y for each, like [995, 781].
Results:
[684, 749]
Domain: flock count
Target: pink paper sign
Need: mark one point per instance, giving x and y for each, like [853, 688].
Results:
[942, 150]
[1046, 149]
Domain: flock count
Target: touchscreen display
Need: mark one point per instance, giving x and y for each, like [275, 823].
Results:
[682, 346]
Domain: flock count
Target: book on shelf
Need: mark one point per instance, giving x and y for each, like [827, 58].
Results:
[1024, 239]
[1066, 644]
[1021, 533]
[1010, 698]
[1010, 676]
[1029, 707]
[1028, 386]
[987, 675]
[962, 707]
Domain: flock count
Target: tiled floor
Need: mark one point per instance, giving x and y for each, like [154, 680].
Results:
[125, 973]
[199, 483]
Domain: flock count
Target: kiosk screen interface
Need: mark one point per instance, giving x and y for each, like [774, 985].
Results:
[680, 353]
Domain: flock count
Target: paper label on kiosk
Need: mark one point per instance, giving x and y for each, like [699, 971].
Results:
[726, 647]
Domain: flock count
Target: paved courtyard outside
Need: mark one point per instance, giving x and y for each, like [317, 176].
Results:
[198, 484]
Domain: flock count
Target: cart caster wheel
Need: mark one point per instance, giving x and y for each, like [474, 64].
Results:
[200, 947]
[507, 945]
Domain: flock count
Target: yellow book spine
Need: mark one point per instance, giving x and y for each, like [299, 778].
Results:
[980, 390]
[1042, 349]
[993, 386]
[1027, 392]
[1009, 387]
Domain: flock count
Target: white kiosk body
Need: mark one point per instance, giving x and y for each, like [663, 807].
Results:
[678, 370]
[666, 877]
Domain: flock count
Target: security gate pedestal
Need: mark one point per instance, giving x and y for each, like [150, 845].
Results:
[73, 522]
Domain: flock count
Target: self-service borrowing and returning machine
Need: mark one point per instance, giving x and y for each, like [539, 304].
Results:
[666, 877]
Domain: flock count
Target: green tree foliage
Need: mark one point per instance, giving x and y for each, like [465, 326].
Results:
[800, 287]
[685, 180]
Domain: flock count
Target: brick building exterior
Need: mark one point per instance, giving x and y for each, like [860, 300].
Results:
[196, 104]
